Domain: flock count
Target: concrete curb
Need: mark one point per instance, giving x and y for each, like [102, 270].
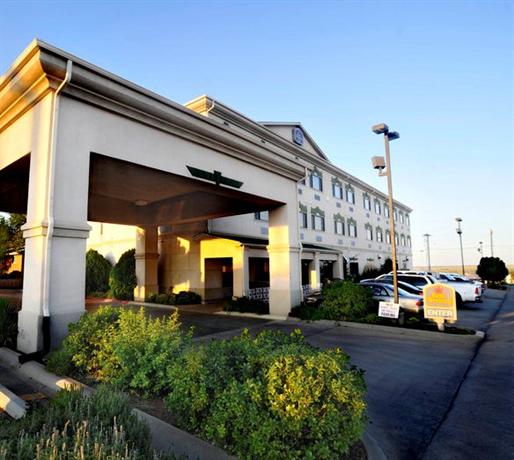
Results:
[386, 329]
[251, 315]
[165, 437]
[373, 450]
[153, 305]
[12, 404]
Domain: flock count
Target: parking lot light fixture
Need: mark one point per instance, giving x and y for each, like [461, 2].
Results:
[379, 164]
[458, 220]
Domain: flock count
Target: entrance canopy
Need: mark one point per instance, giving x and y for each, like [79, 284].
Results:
[78, 143]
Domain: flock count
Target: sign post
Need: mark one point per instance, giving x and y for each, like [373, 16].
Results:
[439, 304]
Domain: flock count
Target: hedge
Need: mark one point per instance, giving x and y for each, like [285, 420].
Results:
[98, 269]
[122, 279]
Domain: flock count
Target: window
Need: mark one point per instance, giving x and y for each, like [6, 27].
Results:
[378, 209]
[316, 180]
[262, 215]
[339, 227]
[386, 210]
[395, 214]
[352, 228]
[350, 195]
[337, 190]
[402, 219]
[402, 240]
[318, 223]
[407, 219]
[380, 235]
[409, 243]
[302, 217]
[388, 237]
[369, 233]
[367, 202]
[396, 238]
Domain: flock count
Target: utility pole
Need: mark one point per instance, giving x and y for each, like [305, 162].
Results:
[481, 248]
[491, 235]
[427, 242]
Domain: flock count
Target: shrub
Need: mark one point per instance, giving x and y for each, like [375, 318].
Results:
[273, 396]
[143, 348]
[492, 269]
[182, 298]
[8, 324]
[75, 426]
[86, 349]
[98, 269]
[370, 272]
[345, 300]
[247, 305]
[122, 280]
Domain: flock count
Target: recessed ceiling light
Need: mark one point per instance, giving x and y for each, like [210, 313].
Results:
[140, 202]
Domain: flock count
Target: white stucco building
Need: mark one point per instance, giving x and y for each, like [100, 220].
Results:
[83, 151]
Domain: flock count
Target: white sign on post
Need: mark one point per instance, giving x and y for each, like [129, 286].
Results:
[389, 310]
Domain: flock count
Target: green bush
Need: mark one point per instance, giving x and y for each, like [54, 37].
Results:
[273, 396]
[122, 279]
[98, 269]
[247, 305]
[346, 301]
[143, 349]
[182, 298]
[493, 270]
[86, 349]
[75, 426]
[8, 324]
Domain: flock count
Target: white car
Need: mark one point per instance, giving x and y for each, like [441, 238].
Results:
[456, 278]
[464, 292]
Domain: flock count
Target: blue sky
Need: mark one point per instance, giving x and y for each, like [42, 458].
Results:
[441, 73]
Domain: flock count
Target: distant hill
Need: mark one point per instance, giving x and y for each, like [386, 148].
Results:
[469, 269]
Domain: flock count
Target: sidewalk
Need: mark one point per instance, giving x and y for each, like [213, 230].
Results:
[480, 422]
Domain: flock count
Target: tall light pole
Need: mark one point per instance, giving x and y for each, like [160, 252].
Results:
[427, 242]
[378, 163]
[459, 232]
[491, 235]
[481, 248]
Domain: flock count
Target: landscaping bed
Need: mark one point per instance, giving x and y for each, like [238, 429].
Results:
[268, 396]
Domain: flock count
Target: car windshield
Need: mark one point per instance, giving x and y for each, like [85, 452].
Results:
[401, 292]
[415, 280]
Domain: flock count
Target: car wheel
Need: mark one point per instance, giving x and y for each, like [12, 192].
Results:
[458, 300]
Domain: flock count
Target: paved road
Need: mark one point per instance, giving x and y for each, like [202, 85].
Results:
[480, 422]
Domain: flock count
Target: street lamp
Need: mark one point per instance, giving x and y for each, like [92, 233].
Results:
[459, 232]
[427, 241]
[379, 163]
[481, 248]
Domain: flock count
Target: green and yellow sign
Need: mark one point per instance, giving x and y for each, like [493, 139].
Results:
[439, 302]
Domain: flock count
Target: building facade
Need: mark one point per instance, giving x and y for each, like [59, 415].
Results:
[343, 226]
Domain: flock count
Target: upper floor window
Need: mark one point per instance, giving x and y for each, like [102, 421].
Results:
[402, 217]
[338, 224]
[402, 240]
[395, 214]
[386, 210]
[316, 180]
[378, 208]
[396, 239]
[407, 219]
[388, 237]
[302, 216]
[352, 228]
[367, 202]
[262, 215]
[380, 235]
[337, 190]
[369, 232]
[318, 219]
[350, 194]
[409, 243]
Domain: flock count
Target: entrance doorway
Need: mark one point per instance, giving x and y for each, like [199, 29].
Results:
[219, 278]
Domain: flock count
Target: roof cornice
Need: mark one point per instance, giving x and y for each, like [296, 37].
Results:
[204, 104]
[42, 67]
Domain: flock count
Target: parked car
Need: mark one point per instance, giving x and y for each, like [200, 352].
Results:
[456, 278]
[384, 293]
[464, 292]
[411, 289]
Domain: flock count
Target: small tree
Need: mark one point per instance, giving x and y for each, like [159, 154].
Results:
[98, 269]
[11, 238]
[492, 269]
[122, 279]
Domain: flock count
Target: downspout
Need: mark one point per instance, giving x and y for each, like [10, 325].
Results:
[50, 209]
